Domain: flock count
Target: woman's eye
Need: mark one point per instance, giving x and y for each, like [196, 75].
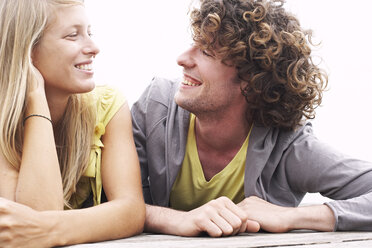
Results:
[72, 35]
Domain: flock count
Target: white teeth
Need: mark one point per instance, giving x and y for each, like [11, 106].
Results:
[187, 82]
[86, 67]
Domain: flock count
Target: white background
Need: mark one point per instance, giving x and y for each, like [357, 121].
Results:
[140, 39]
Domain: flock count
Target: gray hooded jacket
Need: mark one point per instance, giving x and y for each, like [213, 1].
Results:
[281, 166]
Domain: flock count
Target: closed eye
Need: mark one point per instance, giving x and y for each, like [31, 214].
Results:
[206, 53]
[73, 35]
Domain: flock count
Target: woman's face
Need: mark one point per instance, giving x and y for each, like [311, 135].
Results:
[65, 53]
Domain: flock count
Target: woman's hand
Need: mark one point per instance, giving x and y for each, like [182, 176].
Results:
[36, 97]
[35, 81]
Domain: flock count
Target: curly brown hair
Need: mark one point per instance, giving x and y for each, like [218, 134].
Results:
[271, 53]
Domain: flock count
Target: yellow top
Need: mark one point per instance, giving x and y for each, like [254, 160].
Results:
[108, 102]
[191, 190]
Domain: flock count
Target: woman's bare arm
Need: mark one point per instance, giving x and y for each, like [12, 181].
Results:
[122, 216]
[38, 182]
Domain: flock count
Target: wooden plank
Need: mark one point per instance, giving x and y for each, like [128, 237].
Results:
[292, 239]
[352, 244]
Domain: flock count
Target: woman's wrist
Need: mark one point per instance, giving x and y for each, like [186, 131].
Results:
[37, 104]
[37, 115]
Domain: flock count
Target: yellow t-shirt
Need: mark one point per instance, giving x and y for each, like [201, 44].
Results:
[108, 102]
[191, 189]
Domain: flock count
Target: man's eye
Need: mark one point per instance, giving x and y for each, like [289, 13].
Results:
[206, 53]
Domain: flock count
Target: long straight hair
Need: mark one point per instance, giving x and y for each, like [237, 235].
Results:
[22, 23]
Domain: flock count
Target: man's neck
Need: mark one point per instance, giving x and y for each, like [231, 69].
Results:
[219, 139]
[222, 133]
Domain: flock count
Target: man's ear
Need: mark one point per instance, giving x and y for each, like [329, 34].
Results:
[243, 83]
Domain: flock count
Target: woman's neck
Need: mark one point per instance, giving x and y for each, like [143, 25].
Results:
[57, 105]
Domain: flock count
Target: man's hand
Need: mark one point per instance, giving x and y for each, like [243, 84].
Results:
[220, 217]
[273, 218]
[20, 226]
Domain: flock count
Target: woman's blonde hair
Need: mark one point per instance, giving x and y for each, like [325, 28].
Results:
[22, 23]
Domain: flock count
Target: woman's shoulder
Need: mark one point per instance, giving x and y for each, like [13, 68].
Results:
[107, 93]
[109, 100]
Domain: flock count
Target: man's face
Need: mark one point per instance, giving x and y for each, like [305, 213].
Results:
[209, 86]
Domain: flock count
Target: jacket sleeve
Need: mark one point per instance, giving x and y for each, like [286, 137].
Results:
[312, 166]
[138, 111]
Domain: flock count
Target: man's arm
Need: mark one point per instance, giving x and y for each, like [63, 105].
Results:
[220, 217]
[273, 218]
[138, 112]
[309, 165]
[207, 218]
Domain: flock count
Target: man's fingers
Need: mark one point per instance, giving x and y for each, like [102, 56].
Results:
[236, 210]
[222, 217]
[232, 219]
[239, 226]
[211, 228]
[222, 224]
[252, 226]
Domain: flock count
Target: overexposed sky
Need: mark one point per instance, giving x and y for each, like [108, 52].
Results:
[140, 39]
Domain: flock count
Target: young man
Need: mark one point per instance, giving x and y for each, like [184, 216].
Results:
[226, 149]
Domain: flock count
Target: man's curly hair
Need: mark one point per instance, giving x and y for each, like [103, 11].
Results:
[270, 51]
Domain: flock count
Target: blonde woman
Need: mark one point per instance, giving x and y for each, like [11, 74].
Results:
[63, 143]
